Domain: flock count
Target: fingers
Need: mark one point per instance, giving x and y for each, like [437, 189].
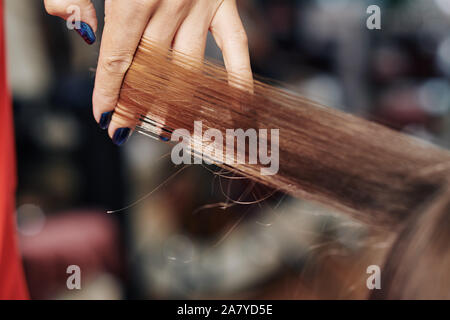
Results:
[161, 29]
[165, 22]
[125, 23]
[190, 38]
[182, 24]
[230, 35]
[76, 11]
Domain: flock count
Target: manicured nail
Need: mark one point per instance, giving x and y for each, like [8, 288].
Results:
[105, 120]
[86, 32]
[164, 137]
[121, 136]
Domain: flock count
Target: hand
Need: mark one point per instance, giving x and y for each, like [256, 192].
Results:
[179, 24]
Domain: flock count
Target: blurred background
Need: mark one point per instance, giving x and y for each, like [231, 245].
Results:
[189, 238]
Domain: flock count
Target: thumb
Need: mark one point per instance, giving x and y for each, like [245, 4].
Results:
[80, 14]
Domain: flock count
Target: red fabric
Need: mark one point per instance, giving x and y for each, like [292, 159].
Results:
[12, 283]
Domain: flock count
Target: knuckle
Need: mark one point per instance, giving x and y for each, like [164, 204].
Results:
[141, 4]
[241, 37]
[179, 6]
[117, 63]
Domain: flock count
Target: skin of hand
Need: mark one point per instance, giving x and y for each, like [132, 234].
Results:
[179, 24]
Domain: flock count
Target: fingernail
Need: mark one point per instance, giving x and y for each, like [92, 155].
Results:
[86, 32]
[105, 120]
[164, 137]
[121, 136]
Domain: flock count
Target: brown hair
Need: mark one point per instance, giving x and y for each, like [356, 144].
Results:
[418, 265]
[373, 173]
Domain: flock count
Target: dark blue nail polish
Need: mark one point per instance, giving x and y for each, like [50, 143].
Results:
[121, 136]
[86, 32]
[105, 120]
[164, 138]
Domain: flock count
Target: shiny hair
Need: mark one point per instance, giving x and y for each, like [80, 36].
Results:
[371, 172]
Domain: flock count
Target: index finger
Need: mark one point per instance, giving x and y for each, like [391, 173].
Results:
[230, 36]
[125, 23]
